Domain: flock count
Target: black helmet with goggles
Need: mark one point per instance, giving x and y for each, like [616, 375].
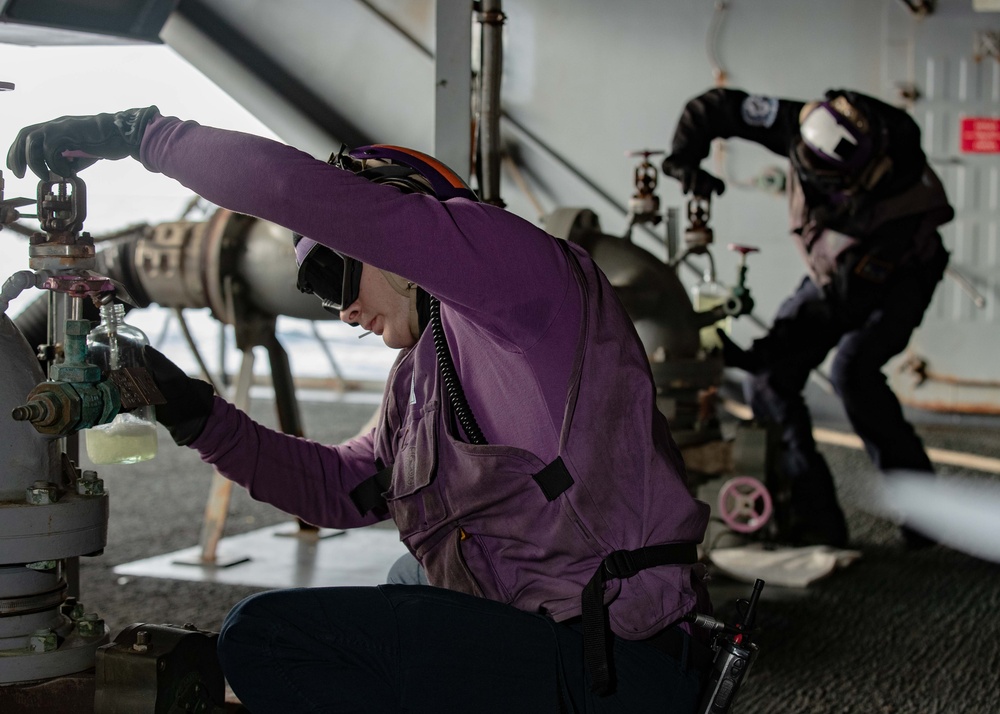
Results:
[840, 144]
[334, 277]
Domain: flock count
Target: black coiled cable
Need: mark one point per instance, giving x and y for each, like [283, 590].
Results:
[453, 388]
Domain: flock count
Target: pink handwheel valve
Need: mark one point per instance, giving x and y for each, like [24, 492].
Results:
[743, 250]
[745, 504]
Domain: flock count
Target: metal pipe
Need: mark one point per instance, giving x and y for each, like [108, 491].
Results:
[492, 19]
[967, 287]
[287, 406]
[193, 346]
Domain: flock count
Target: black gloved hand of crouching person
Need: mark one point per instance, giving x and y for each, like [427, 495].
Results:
[694, 179]
[735, 356]
[189, 400]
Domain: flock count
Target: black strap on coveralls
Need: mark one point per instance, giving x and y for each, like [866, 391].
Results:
[597, 645]
[367, 496]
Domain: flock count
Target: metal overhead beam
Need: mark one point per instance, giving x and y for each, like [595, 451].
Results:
[453, 85]
[277, 78]
[82, 22]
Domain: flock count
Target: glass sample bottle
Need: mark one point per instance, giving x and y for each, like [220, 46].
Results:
[704, 296]
[131, 436]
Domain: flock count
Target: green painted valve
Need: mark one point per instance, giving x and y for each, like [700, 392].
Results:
[74, 398]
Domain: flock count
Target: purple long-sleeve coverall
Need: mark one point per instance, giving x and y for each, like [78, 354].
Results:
[546, 355]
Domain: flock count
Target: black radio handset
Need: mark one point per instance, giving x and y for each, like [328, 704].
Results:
[734, 656]
[748, 617]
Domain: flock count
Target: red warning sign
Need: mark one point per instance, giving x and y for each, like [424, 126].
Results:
[980, 135]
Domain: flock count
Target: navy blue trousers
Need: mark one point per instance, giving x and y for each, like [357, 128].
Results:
[868, 324]
[411, 648]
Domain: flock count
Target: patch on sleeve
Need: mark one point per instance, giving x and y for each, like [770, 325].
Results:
[758, 110]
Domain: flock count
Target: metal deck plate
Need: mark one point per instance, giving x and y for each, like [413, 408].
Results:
[269, 558]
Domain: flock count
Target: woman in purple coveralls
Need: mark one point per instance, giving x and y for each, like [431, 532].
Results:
[518, 447]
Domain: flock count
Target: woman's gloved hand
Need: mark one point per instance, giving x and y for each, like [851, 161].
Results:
[67, 145]
[189, 400]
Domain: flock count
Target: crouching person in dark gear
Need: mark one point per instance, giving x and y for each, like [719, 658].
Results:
[518, 446]
[865, 209]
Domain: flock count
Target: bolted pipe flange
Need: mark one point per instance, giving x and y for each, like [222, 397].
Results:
[90, 625]
[89, 484]
[43, 641]
[73, 609]
[43, 565]
[42, 493]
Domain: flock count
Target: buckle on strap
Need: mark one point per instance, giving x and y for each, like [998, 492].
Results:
[620, 564]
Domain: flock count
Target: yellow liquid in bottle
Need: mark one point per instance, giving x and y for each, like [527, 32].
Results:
[126, 440]
[709, 338]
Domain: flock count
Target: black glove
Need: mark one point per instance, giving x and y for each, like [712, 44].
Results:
[735, 356]
[40, 147]
[694, 179]
[189, 400]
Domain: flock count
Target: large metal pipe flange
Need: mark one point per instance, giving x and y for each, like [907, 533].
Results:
[72, 526]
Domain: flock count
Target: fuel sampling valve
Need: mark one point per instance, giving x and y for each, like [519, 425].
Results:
[698, 236]
[77, 394]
